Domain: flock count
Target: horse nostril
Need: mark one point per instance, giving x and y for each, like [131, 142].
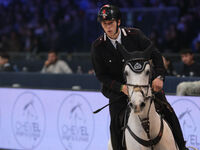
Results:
[131, 105]
[142, 105]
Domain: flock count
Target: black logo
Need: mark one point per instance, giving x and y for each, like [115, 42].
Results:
[137, 66]
[28, 120]
[75, 123]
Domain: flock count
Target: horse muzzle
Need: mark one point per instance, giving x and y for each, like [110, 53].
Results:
[137, 108]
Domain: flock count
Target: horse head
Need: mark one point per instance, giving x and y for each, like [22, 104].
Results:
[137, 73]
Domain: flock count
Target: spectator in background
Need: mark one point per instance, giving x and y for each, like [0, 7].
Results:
[4, 43]
[5, 64]
[54, 65]
[79, 70]
[190, 67]
[91, 72]
[196, 44]
[171, 40]
[53, 22]
[154, 37]
[168, 67]
[15, 44]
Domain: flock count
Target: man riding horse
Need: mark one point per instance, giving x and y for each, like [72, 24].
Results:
[108, 65]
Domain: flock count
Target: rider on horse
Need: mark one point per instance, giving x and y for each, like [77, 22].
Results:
[108, 65]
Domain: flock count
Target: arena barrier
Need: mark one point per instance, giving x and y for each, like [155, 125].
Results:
[62, 119]
[70, 81]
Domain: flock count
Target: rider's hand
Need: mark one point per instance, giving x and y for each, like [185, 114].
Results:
[124, 89]
[47, 63]
[157, 84]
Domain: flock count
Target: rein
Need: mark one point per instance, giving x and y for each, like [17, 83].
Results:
[100, 109]
[145, 121]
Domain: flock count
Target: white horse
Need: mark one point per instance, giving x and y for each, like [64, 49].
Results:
[155, 133]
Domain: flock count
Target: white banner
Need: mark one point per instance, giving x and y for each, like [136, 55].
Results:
[188, 112]
[64, 120]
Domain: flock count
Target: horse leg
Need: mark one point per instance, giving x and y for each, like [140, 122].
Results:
[110, 145]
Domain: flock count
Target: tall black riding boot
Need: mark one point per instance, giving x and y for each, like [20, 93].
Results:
[171, 118]
[117, 111]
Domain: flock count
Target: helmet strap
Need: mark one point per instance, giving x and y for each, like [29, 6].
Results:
[117, 27]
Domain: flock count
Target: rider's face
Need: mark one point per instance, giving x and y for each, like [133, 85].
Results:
[52, 57]
[109, 27]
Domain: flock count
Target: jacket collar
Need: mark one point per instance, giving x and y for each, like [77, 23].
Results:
[123, 39]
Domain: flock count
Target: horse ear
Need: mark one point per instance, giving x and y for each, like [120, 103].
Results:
[123, 51]
[135, 54]
[148, 51]
[128, 55]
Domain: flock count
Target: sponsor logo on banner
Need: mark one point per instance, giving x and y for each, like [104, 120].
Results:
[188, 113]
[75, 123]
[28, 120]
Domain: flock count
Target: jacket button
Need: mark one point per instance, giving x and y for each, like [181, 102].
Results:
[122, 60]
[110, 61]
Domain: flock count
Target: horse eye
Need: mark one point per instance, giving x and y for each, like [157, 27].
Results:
[147, 72]
[126, 73]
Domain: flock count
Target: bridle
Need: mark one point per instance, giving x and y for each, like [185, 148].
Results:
[144, 121]
[138, 88]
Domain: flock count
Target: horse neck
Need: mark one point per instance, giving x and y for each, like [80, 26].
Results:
[154, 119]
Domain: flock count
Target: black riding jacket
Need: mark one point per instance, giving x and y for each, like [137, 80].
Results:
[108, 62]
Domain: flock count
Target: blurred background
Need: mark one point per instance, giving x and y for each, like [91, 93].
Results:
[30, 28]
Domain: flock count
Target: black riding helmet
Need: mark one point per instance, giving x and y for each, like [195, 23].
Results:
[109, 12]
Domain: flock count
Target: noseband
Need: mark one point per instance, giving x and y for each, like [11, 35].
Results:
[138, 88]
